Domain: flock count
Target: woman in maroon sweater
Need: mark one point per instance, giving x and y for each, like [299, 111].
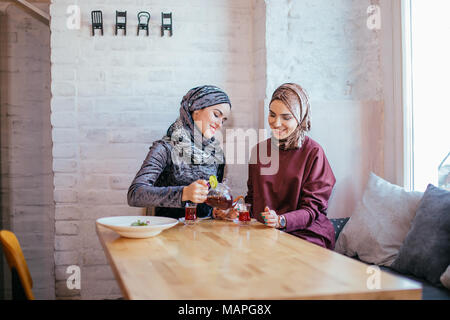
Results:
[295, 197]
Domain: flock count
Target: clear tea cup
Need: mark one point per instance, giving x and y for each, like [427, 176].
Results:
[244, 213]
[190, 213]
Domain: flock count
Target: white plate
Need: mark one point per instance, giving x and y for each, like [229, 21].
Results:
[122, 225]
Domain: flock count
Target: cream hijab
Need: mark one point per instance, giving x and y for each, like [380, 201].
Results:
[295, 98]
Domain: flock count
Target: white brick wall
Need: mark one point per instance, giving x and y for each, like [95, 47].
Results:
[113, 96]
[333, 54]
[26, 173]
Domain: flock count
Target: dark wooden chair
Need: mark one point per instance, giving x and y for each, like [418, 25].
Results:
[97, 21]
[121, 21]
[166, 26]
[143, 21]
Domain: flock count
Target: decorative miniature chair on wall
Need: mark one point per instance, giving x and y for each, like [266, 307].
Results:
[121, 21]
[97, 21]
[143, 20]
[166, 26]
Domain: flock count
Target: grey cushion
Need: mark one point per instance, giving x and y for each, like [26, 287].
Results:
[425, 253]
[380, 222]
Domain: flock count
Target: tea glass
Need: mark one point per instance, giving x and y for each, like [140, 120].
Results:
[244, 213]
[190, 213]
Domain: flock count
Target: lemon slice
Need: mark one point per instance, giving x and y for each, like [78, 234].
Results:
[213, 181]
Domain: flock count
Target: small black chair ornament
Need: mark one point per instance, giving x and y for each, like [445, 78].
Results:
[168, 25]
[121, 21]
[143, 20]
[97, 21]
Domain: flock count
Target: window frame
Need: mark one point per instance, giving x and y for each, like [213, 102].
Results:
[407, 92]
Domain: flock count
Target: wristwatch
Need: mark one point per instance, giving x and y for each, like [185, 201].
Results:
[282, 222]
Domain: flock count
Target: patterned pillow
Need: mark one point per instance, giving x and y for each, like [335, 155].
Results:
[338, 225]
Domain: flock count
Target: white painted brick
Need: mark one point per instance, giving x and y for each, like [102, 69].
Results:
[102, 197]
[90, 239]
[64, 166]
[94, 257]
[65, 151]
[120, 182]
[101, 211]
[61, 273]
[100, 272]
[65, 196]
[122, 89]
[63, 104]
[85, 104]
[63, 89]
[67, 212]
[94, 181]
[67, 227]
[63, 135]
[63, 258]
[63, 74]
[90, 74]
[100, 289]
[63, 120]
[64, 180]
[91, 89]
[88, 134]
[62, 291]
[111, 166]
[67, 242]
[113, 151]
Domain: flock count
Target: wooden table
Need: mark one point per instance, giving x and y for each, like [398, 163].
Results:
[216, 259]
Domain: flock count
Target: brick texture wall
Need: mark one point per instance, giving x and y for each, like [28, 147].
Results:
[327, 47]
[67, 164]
[112, 96]
[26, 144]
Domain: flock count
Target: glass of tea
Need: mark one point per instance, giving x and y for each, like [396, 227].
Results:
[190, 213]
[244, 213]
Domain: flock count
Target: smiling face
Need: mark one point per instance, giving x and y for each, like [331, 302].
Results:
[211, 119]
[281, 120]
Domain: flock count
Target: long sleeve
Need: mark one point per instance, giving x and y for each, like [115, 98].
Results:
[314, 194]
[143, 192]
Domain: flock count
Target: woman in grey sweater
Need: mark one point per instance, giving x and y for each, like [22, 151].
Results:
[177, 167]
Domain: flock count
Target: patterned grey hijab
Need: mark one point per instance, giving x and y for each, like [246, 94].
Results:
[189, 144]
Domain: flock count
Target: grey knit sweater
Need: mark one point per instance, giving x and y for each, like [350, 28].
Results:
[159, 183]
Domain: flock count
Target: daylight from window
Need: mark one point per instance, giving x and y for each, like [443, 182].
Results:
[430, 38]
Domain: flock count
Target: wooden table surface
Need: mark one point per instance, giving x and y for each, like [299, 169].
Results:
[216, 259]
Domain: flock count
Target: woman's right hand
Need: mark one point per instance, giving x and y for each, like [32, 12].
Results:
[196, 192]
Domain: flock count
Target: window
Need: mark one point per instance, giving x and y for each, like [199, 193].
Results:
[427, 75]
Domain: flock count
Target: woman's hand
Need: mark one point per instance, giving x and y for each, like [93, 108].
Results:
[271, 218]
[195, 192]
[222, 214]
